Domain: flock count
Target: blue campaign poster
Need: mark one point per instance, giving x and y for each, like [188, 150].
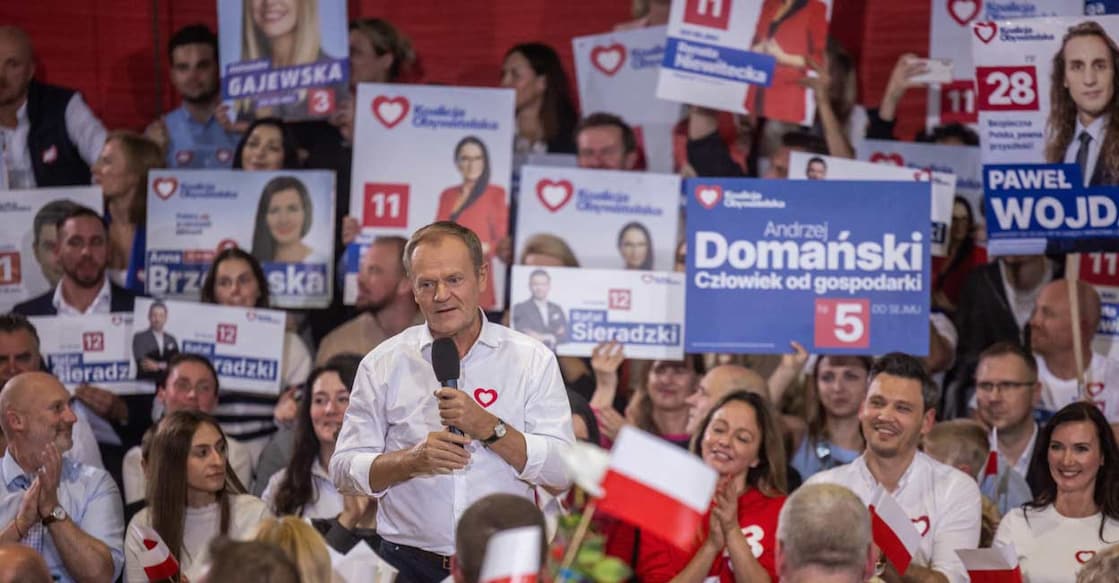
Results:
[841, 267]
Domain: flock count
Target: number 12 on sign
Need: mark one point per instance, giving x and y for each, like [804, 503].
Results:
[842, 323]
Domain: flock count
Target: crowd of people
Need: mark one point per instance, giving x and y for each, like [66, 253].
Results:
[365, 446]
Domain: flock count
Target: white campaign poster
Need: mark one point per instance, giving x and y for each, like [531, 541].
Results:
[745, 55]
[284, 218]
[573, 310]
[28, 238]
[93, 350]
[807, 166]
[950, 23]
[610, 219]
[963, 161]
[428, 153]
[245, 345]
[617, 73]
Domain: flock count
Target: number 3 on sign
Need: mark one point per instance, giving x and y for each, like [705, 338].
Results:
[1007, 88]
[842, 323]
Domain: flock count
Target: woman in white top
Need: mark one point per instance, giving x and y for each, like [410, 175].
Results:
[190, 500]
[1075, 511]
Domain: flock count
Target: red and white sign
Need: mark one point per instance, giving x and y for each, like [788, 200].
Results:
[512, 556]
[156, 559]
[998, 564]
[893, 531]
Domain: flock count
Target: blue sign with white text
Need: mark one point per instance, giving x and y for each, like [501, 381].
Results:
[841, 267]
[1044, 208]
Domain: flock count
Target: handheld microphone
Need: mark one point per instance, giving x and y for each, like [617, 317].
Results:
[445, 364]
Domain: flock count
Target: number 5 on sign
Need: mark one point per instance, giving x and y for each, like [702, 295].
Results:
[1007, 88]
[842, 323]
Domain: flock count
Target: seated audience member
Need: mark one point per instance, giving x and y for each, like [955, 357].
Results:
[546, 115]
[964, 256]
[191, 384]
[1051, 340]
[604, 141]
[1101, 568]
[193, 136]
[834, 394]
[249, 562]
[189, 495]
[51, 136]
[995, 305]
[267, 144]
[899, 408]
[122, 172]
[384, 300]
[301, 543]
[823, 534]
[483, 519]
[1075, 513]
[739, 438]
[659, 406]
[236, 279]
[20, 563]
[67, 511]
[1006, 393]
[19, 353]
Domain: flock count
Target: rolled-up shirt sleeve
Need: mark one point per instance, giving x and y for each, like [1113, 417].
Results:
[547, 428]
[959, 529]
[362, 438]
[84, 129]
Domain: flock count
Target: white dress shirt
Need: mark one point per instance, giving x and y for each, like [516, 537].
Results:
[392, 408]
[83, 128]
[325, 501]
[943, 503]
[1096, 129]
[1052, 548]
[102, 304]
[1102, 386]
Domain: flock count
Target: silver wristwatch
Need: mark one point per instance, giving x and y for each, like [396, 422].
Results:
[498, 433]
[56, 515]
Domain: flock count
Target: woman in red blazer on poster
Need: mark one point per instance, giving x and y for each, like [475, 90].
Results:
[477, 205]
[793, 31]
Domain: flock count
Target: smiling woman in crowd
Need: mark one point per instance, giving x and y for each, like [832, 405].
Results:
[283, 219]
[835, 392]
[268, 144]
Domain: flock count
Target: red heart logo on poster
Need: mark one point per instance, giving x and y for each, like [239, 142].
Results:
[609, 59]
[1094, 389]
[709, 196]
[884, 158]
[165, 187]
[390, 110]
[554, 194]
[922, 524]
[963, 11]
[985, 31]
[485, 397]
[1084, 556]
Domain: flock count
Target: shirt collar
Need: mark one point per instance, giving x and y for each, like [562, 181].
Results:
[864, 471]
[9, 469]
[104, 295]
[318, 471]
[489, 336]
[1094, 129]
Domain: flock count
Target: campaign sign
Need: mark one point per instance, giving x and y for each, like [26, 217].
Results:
[283, 59]
[89, 350]
[245, 345]
[963, 161]
[351, 261]
[285, 219]
[950, 33]
[617, 73]
[572, 310]
[609, 219]
[744, 55]
[841, 267]
[28, 238]
[1101, 270]
[1094, 7]
[432, 153]
[1042, 208]
[806, 166]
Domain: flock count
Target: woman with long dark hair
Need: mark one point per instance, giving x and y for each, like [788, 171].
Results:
[546, 114]
[190, 497]
[950, 271]
[1074, 475]
[283, 218]
[832, 399]
[268, 144]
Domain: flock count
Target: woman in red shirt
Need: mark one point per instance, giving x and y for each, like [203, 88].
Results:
[739, 438]
[477, 205]
[795, 32]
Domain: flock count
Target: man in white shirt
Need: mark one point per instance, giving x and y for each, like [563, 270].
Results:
[1006, 393]
[1052, 342]
[395, 444]
[943, 502]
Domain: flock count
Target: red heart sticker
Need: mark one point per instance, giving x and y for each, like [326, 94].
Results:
[709, 195]
[554, 194]
[962, 11]
[609, 59]
[985, 31]
[884, 158]
[485, 397]
[165, 187]
[1084, 556]
[922, 524]
[390, 110]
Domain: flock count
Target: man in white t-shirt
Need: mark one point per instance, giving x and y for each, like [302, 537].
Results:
[1051, 339]
[943, 502]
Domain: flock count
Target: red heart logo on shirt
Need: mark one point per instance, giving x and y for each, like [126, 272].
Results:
[922, 524]
[390, 110]
[485, 397]
[1084, 556]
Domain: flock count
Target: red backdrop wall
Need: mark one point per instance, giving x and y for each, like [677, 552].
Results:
[113, 50]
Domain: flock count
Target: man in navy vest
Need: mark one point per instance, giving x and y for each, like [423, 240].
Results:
[49, 135]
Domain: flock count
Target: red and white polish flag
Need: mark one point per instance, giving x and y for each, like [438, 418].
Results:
[156, 558]
[657, 487]
[998, 564]
[992, 467]
[512, 556]
[892, 530]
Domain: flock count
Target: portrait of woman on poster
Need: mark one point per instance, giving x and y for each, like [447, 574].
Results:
[283, 218]
[795, 33]
[476, 204]
[635, 244]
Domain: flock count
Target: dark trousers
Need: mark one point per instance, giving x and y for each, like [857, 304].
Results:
[415, 565]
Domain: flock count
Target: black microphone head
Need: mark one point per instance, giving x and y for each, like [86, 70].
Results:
[444, 359]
